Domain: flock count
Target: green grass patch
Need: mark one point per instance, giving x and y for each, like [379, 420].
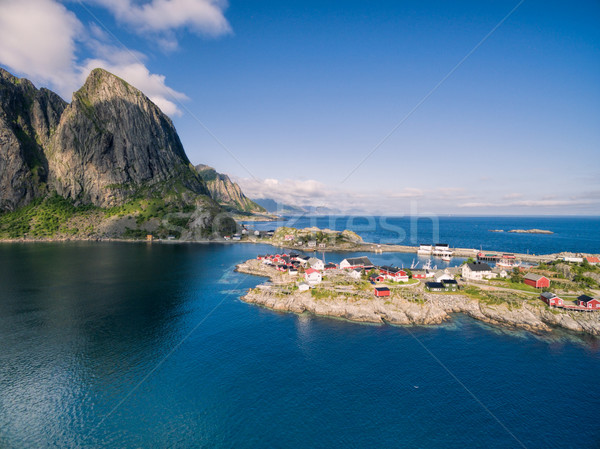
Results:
[42, 218]
[320, 293]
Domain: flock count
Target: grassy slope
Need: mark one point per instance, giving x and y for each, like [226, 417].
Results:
[56, 217]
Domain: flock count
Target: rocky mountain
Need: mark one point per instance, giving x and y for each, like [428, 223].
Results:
[112, 142]
[273, 206]
[226, 192]
[28, 118]
[112, 149]
[109, 145]
[276, 207]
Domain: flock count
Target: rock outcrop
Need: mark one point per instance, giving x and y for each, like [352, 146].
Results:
[432, 309]
[112, 142]
[226, 192]
[109, 145]
[28, 120]
[112, 148]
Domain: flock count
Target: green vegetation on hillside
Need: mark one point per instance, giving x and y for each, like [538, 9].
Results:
[42, 218]
[171, 214]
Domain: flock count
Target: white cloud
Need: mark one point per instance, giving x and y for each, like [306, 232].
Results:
[408, 192]
[529, 203]
[315, 193]
[511, 196]
[288, 191]
[138, 75]
[163, 16]
[397, 202]
[41, 40]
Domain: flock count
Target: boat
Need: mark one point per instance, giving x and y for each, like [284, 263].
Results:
[424, 250]
[447, 257]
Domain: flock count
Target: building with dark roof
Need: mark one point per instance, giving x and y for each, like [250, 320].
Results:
[434, 286]
[382, 291]
[477, 271]
[355, 262]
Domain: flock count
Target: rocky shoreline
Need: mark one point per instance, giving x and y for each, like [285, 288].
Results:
[430, 309]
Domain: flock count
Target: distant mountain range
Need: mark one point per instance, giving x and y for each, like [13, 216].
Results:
[273, 206]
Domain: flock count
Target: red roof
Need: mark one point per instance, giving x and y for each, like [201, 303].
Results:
[311, 270]
[592, 259]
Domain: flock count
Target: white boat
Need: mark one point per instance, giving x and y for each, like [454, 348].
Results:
[424, 250]
[447, 257]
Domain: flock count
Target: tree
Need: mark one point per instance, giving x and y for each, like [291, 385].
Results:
[516, 276]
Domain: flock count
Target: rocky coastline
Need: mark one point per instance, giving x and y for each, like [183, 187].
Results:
[406, 309]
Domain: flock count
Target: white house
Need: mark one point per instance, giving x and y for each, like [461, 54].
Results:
[440, 276]
[303, 260]
[355, 274]
[355, 262]
[315, 263]
[312, 276]
[477, 271]
[500, 272]
[303, 286]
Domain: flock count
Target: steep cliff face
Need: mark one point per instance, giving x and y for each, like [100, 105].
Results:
[112, 143]
[28, 120]
[111, 148]
[226, 192]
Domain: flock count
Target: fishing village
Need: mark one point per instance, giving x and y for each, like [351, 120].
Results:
[537, 293]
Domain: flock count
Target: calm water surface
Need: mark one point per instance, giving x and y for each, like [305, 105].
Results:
[136, 345]
[576, 234]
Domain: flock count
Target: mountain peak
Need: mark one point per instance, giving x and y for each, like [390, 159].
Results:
[225, 191]
[101, 85]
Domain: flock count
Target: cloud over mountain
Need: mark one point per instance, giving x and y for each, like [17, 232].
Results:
[42, 40]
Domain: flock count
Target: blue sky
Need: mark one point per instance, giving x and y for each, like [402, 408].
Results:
[288, 97]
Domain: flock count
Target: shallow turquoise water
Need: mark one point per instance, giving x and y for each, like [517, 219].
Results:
[137, 345]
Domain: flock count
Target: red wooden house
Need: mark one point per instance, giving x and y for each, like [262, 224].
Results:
[588, 302]
[551, 299]
[536, 280]
[382, 291]
[394, 273]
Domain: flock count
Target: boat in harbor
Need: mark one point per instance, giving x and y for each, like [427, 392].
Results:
[424, 250]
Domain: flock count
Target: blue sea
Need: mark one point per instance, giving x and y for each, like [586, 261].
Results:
[575, 234]
[148, 345]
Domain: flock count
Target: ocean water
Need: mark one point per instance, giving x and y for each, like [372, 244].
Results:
[147, 345]
[575, 234]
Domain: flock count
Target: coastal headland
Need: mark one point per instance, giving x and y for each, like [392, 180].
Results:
[342, 296]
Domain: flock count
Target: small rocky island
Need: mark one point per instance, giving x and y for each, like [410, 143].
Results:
[524, 231]
[530, 231]
[344, 295]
